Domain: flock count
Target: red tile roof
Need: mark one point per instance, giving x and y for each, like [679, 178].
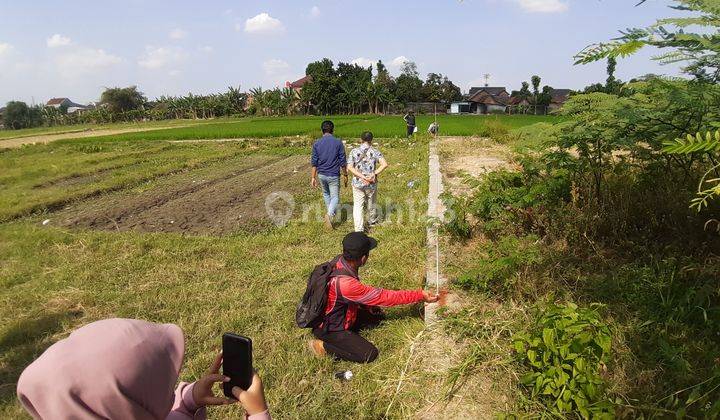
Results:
[57, 101]
[298, 83]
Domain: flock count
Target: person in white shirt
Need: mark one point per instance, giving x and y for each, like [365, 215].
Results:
[365, 163]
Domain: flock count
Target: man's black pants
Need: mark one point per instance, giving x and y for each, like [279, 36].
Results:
[348, 344]
[410, 130]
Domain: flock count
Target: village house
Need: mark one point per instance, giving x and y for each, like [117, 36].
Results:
[298, 84]
[482, 100]
[489, 100]
[559, 97]
[69, 105]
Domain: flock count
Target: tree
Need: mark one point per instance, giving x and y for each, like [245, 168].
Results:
[123, 99]
[321, 91]
[524, 91]
[439, 88]
[19, 115]
[535, 80]
[409, 85]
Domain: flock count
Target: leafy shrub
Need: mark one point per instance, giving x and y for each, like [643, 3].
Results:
[456, 223]
[504, 198]
[497, 272]
[566, 350]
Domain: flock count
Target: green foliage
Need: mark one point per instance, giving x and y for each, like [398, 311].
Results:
[566, 350]
[456, 223]
[708, 188]
[498, 272]
[694, 144]
[119, 100]
[701, 50]
[18, 115]
[504, 198]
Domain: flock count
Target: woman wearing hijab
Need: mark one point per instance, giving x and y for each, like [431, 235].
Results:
[125, 369]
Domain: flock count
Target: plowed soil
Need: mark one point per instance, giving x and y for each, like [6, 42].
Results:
[226, 198]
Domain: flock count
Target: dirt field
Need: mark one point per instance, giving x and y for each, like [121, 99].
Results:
[469, 156]
[221, 199]
[47, 138]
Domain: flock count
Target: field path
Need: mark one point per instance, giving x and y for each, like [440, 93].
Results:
[47, 138]
[436, 354]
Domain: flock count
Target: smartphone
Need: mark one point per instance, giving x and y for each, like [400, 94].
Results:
[237, 362]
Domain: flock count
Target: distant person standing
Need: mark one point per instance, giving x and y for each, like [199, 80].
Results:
[365, 163]
[410, 122]
[328, 161]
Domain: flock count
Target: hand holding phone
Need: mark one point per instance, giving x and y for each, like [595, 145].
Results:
[237, 363]
[203, 394]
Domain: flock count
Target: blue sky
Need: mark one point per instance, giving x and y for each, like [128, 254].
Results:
[75, 48]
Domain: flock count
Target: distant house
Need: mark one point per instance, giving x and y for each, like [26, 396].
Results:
[298, 84]
[70, 106]
[558, 98]
[482, 100]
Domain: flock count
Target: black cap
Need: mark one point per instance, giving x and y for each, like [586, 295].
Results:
[357, 244]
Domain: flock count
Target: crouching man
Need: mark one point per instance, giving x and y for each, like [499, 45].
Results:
[352, 305]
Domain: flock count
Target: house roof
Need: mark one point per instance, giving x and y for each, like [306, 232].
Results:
[298, 83]
[559, 96]
[57, 101]
[490, 96]
[517, 100]
[494, 90]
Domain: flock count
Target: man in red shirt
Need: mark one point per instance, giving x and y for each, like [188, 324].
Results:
[352, 305]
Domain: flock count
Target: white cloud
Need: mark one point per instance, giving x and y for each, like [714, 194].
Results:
[543, 6]
[207, 49]
[159, 57]
[5, 48]
[398, 61]
[364, 62]
[58, 40]
[315, 12]
[263, 24]
[85, 60]
[177, 33]
[174, 73]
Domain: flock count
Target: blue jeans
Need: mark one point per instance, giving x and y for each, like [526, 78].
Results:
[331, 192]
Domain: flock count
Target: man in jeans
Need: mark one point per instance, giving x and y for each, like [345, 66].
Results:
[328, 160]
[365, 163]
[352, 305]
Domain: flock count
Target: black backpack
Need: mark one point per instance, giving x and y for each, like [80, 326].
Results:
[311, 310]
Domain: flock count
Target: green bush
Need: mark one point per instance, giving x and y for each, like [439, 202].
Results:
[506, 198]
[566, 350]
[497, 273]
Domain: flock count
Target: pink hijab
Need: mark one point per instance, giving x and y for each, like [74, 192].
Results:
[115, 368]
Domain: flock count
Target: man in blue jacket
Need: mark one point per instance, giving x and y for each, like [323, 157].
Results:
[328, 161]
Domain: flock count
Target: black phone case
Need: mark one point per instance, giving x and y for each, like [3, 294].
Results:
[242, 382]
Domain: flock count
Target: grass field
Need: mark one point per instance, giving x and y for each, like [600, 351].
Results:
[55, 278]
[177, 232]
[347, 127]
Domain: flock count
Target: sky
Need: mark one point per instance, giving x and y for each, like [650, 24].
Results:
[77, 48]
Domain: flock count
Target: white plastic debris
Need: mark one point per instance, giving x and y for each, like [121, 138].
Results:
[45, 222]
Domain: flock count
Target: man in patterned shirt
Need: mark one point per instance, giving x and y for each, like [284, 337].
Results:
[365, 163]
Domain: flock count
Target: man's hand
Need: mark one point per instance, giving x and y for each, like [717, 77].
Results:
[203, 389]
[313, 182]
[429, 297]
[253, 400]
